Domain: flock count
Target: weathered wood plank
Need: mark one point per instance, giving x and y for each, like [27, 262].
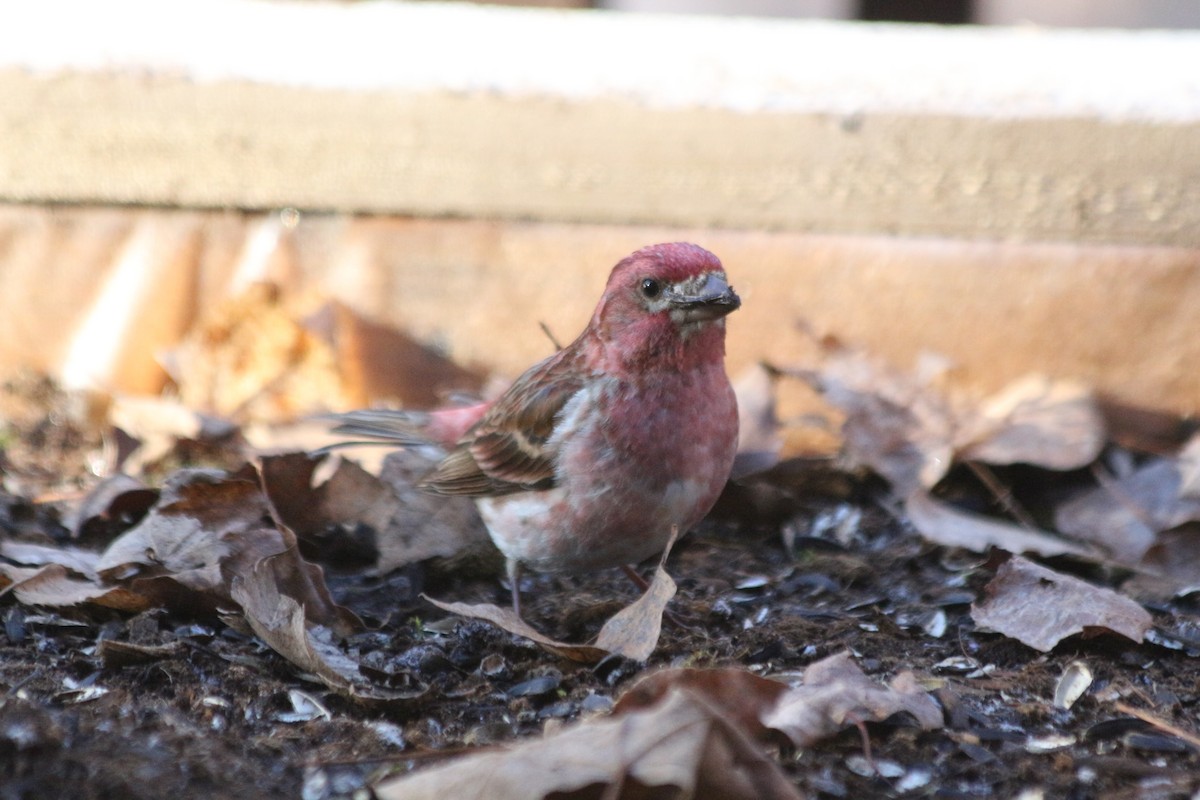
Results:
[596, 117]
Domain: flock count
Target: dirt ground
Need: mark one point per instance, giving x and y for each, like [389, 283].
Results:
[103, 704]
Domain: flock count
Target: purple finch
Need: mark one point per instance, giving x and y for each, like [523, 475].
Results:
[596, 454]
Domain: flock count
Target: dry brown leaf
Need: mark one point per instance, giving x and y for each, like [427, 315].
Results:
[1124, 515]
[115, 504]
[52, 585]
[836, 693]
[634, 630]
[158, 424]
[187, 534]
[1172, 565]
[116, 654]
[252, 359]
[424, 525]
[742, 697]
[1040, 607]
[1055, 424]
[82, 562]
[681, 747]
[506, 619]
[208, 529]
[350, 496]
[950, 527]
[280, 621]
[911, 430]
[409, 525]
[900, 427]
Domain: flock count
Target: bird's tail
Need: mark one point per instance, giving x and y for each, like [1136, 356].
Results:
[381, 426]
[443, 427]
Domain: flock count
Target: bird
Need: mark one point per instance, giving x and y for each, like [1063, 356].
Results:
[596, 454]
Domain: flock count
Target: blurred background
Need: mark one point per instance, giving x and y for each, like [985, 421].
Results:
[1072, 13]
[274, 208]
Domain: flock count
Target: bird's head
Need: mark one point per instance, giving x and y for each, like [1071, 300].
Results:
[667, 297]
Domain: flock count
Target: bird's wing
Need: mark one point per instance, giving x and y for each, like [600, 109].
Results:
[508, 449]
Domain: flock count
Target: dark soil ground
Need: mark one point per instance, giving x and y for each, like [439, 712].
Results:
[196, 709]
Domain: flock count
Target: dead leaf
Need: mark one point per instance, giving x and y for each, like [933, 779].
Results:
[895, 424]
[1125, 514]
[52, 585]
[950, 527]
[1055, 424]
[1040, 607]
[116, 655]
[251, 358]
[912, 427]
[280, 621]
[634, 630]
[115, 504]
[742, 697]
[158, 424]
[506, 619]
[424, 525]
[186, 535]
[836, 693]
[80, 561]
[680, 747]
[208, 529]
[1170, 567]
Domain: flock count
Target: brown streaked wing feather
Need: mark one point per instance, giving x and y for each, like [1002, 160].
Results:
[506, 451]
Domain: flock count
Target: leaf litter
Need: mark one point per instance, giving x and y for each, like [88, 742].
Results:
[301, 576]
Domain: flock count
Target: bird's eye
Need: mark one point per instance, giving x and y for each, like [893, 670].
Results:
[651, 288]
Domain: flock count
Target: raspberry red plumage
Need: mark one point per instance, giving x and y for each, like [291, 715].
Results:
[594, 454]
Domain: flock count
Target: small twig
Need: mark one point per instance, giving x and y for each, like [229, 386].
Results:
[1158, 722]
[546, 330]
[1003, 495]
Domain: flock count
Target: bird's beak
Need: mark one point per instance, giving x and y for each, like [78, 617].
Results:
[711, 299]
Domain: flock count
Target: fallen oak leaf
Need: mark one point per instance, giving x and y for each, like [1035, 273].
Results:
[896, 423]
[52, 585]
[1040, 607]
[185, 534]
[80, 561]
[1055, 424]
[117, 503]
[506, 619]
[836, 693]
[945, 525]
[634, 630]
[912, 430]
[280, 621]
[680, 747]
[116, 654]
[741, 696]
[1125, 515]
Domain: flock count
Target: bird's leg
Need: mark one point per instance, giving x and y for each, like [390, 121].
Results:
[513, 568]
[644, 586]
[637, 579]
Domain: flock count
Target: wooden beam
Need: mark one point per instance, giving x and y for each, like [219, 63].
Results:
[606, 118]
